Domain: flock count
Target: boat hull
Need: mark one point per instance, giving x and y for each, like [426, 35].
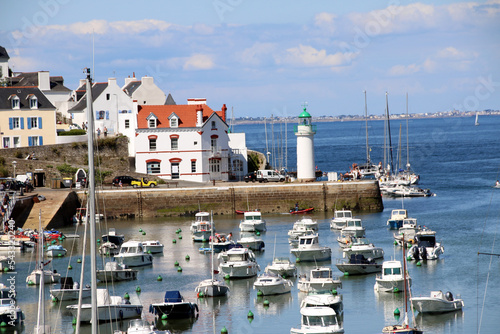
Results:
[12, 316]
[180, 310]
[359, 269]
[107, 312]
[118, 275]
[275, 289]
[201, 236]
[49, 277]
[135, 260]
[374, 253]
[239, 271]
[312, 255]
[436, 305]
[307, 286]
[255, 245]
[316, 330]
[382, 285]
[212, 289]
[56, 253]
[69, 294]
[153, 249]
[252, 226]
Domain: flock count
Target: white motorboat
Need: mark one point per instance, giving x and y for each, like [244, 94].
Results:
[221, 242]
[437, 302]
[298, 231]
[364, 247]
[132, 254]
[391, 279]
[340, 218]
[211, 287]
[354, 228]
[56, 251]
[117, 239]
[139, 326]
[408, 191]
[252, 221]
[359, 265]
[318, 320]
[251, 241]
[271, 284]
[308, 223]
[10, 313]
[69, 290]
[238, 263]
[282, 266]
[109, 249]
[152, 247]
[201, 228]
[320, 280]
[49, 276]
[114, 272]
[409, 229]
[396, 219]
[309, 249]
[109, 308]
[334, 301]
[344, 240]
[426, 247]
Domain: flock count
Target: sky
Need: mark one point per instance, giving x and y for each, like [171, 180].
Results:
[264, 58]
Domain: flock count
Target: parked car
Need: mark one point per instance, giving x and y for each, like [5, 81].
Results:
[143, 182]
[269, 175]
[126, 180]
[250, 177]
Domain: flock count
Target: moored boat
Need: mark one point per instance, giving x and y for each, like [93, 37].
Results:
[309, 249]
[320, 280]
[238, 263]
[426, 247]
[271, 284]
[340, 218]
[392, 278]
[56, 251]
[396, 219]
[174, 307]
[354, 228]
[364, 247]
[201, 228]
[10, 313]
[252, 221]
[114, 272]
[359, 265]
[282, 266]
[320, 320]
[69, 290]
[117, 239]
[437, 302]
[251, 241]
[132, 254]
[152, 247]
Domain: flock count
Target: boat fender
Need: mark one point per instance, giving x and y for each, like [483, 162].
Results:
[120, 313]
[138, 310]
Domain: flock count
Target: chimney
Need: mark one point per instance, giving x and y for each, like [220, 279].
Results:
[199, 116]
[44, 80]
[111, 81]
[224, 108]
[147, 81]
[83, 82]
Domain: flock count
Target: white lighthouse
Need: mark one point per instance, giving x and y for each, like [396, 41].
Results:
[305, 132]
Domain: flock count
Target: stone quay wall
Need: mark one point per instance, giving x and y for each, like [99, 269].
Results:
[362, 196]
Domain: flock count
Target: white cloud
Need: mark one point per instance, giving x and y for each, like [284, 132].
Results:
[199, 62]
[25, 64]
[305, 55]
[325, 21]
[258, 53]
[399, 70]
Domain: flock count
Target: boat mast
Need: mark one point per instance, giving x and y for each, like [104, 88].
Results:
[80, 292]
[366, 127]
[407, 137]
[399, 149]
[389, 130]
[212, 235]
[91, 203]
[40, 321]
[267, 147]
[405, 320]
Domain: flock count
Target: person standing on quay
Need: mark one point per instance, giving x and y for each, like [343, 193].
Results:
[105, 130]
[98, 133]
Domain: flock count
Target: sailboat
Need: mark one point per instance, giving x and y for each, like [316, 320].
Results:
[369, 168]
[403, 328]
[103, 307]
[212, 287]
[477, 120]
[40, 327]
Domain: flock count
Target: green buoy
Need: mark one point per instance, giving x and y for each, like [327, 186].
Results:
[201, 294]
[223, 330]
[408, 258]
[297, 260]
[127, 296]
[179, 269]
[140, 230]
[149, 252]
[143, 232]
[176, 263]
[396, 290]
[138, 289]
[260, 293]
[79, 261]
[397, 312]
[180, 237]
[227, 276]
[266, 302]
[73, 321]
[419, 263]
[54, 299]
[6, 269]
[159, 278]
[346, 274]
[187, 257]
[59, 255]
[98, 240]
[174, 241]
[395, 242]
[334, 292]
[257, 233]
[250, 314]
[164, 317]
[3, 324]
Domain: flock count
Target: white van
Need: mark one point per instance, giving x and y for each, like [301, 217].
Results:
[266, 175]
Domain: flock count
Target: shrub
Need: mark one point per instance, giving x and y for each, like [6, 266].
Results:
[2, 161]
[4, 172]
[74, 132]
[49, 166]
[67, 170]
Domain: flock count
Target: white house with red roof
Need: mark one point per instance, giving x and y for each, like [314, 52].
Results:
[188, 142]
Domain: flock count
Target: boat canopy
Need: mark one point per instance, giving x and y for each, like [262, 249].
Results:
[173, 297]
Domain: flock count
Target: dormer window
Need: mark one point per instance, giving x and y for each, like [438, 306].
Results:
[33, 102]
[152, 123]
[15, 102]
[173, 122]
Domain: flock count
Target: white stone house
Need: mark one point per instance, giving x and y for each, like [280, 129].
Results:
[144, 91]
[187, 142]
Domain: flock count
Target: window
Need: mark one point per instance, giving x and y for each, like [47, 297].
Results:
[32, 122]
[35, 141]
[213, 144]
[15, 103]
[173, 122]
[214, 165]
[127, 124]
[153, 167]
[237, 165]
[152, 123]
[6, 142]
[107, 97]
[195, 143]
[33, 102]
[174, 144]
[101, 114]
[17, 142]
[213, 125]
[16, 123]
[152, 144]
[193, 166]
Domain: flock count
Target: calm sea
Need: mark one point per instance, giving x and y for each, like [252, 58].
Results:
[455, 159]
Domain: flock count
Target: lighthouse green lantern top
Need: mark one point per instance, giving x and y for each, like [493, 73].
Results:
[305, 125]
[305, 114]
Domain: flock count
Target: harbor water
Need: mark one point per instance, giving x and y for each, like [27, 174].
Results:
[458, 161]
